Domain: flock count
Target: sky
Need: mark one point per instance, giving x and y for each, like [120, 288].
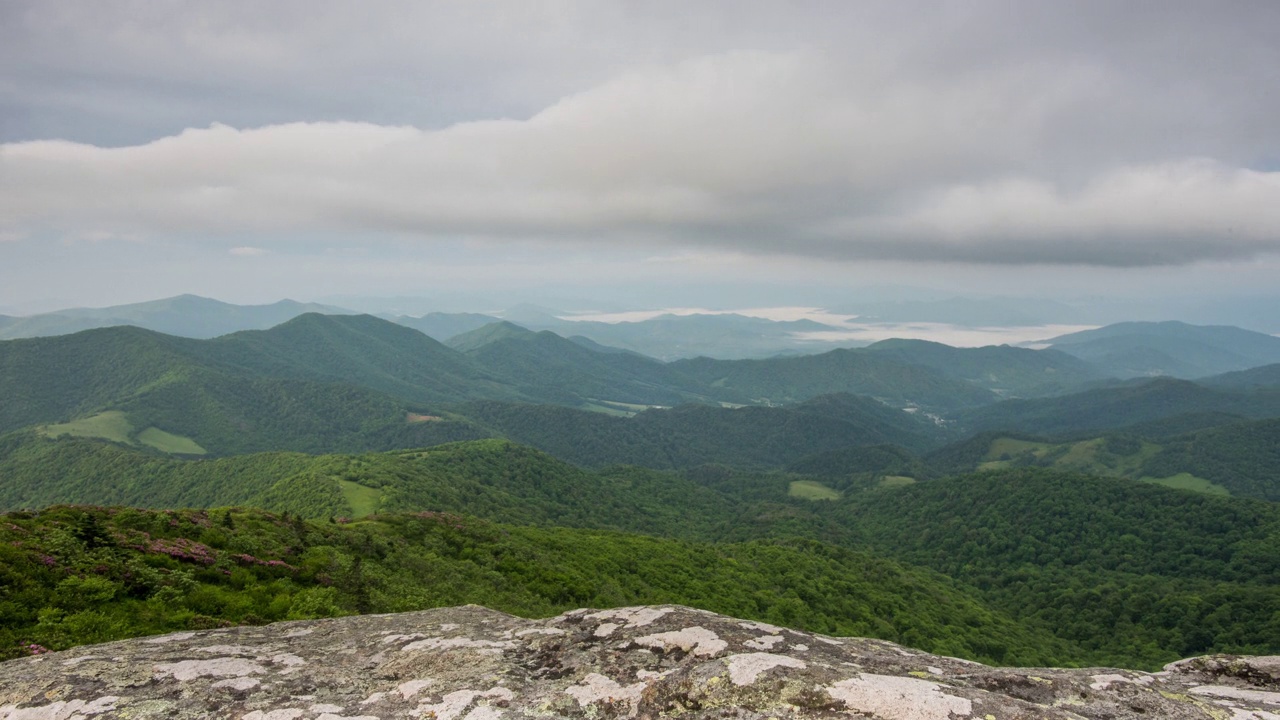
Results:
[640, 154]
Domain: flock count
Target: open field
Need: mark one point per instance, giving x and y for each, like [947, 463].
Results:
[111, 425]
[1187, 481]
[812, 490]
[363, 500]
[154, 437]
[1098, 456]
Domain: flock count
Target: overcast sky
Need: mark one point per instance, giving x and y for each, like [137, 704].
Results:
[251, 151]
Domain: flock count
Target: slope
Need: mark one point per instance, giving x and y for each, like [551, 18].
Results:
[1139, 349]
[184, 315]
[1137, 575]
[1123, 569]
[244, 392]
[555, 369]
[793, 379]
[442, 326]
[79, 575]
[1264, 376]
[690, 435]
[1006, 371]
[1117, 407]
[358, 350]
[671, 337]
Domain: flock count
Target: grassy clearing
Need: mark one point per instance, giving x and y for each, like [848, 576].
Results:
[363, 500]
[110, 425]
[896, 481]
[606, 410]
[1187, 481]
[634, 407]
[1092, 457]
[812, 490]
[154, 437]
[1004, 451]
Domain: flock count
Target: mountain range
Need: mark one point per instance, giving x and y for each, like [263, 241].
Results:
[1064, 513]
[347, 382]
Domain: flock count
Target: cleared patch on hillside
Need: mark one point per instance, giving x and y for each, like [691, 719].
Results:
[614, 407]
[110, 425]
[420, 418]
[890, 481]
[154, 437]
[606, 410]
[1187, 481]
[1112, 457]
[363, 500]
[114, 425]
[812, 490]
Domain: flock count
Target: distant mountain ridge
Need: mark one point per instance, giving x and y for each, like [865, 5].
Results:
[1177, 349]
[184, 315]
[358, 382]
[1007, 371]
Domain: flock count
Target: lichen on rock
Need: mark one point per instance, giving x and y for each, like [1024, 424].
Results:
[470, 663]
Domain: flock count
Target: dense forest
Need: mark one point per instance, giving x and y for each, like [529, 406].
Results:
[1128, 573]
[74, 575]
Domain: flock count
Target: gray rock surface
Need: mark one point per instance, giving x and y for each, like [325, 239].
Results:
[470, 663]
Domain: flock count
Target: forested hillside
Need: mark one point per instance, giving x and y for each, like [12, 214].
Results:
[559, 370]
[1006, 371]
[1144, 349]
[793, 379]
[1110, 408]
[75, 575]
[693, 435]
[1043, 547]
[1127, 570]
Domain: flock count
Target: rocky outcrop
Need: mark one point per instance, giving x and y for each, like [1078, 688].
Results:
[470, 663]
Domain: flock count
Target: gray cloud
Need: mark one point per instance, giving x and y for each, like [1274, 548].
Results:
[1113, 134]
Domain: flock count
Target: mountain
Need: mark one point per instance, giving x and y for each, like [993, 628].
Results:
[359, 350]
[1116, 407]
[184, 316]
[692, 435]
[794, 379]
[671, 337]
[1265, 376]
[315, 383]
[442, 326]
[322, 382]
[559, 370]
[1139, 349]
[1006, 371]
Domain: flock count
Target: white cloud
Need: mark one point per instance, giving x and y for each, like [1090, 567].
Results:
[762, 153]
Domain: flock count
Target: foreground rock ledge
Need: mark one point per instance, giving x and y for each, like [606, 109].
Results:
[473, 663]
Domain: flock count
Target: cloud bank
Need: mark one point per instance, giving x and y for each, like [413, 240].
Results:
[1044, 137]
